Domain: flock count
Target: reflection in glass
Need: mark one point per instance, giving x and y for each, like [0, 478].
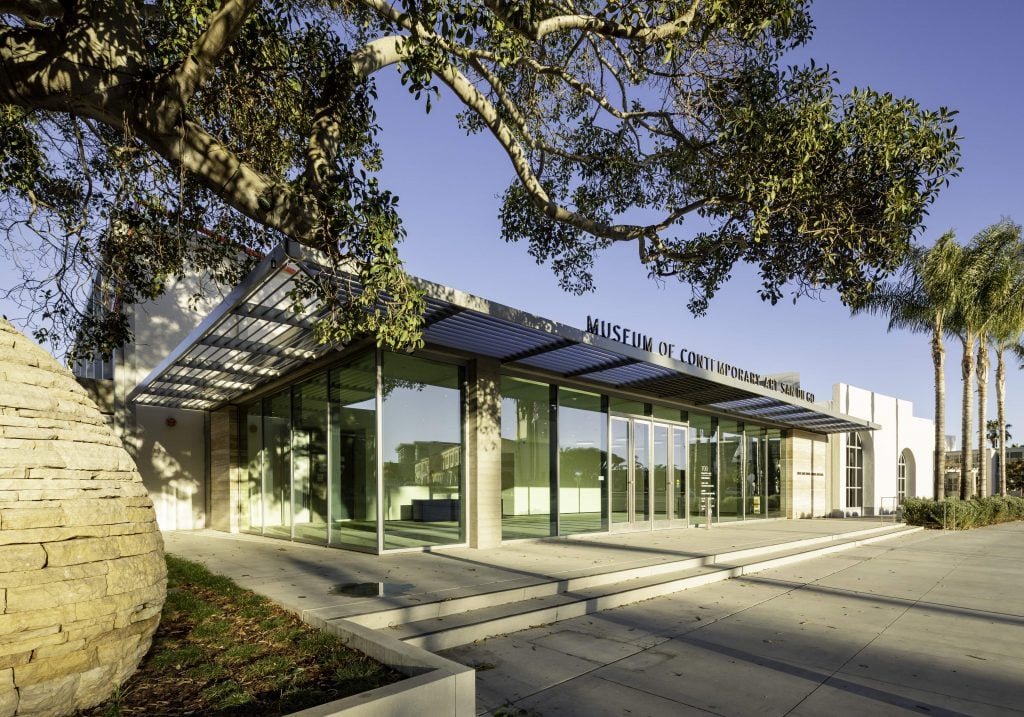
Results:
[582, 440]
[730, 471]
[660, 471]
[251, 424]
[277, 468]
[620, 470]
[309, 460]
[628, 406]
[422, 446]
[754, 483]
[525, 459]
[353, 453]
[703, 468]
[669, 414]
[679, 473]
[641, 469]
[773, 439]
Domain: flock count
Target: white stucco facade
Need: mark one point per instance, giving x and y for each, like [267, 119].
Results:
[169, 445]
[903, 438]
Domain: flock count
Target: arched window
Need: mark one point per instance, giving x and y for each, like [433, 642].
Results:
[901, 479]
[854, 471]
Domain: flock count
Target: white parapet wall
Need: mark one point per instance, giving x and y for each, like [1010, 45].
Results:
[902, 438]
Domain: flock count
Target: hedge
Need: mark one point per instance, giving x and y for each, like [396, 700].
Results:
[954, 513]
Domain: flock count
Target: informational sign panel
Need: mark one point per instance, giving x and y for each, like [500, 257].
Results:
[707, 490]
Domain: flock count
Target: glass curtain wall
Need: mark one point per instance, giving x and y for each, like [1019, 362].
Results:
[277, 465]
[775, 487]
[422, 448]
[309, 460]
[619, 456]
[353, 464]
[679, 485]
[311, 456]
[755, 486]
[730, 470]
[525, 459]
[582, 456]
[660, 471]
[251, 428]
[703, 468]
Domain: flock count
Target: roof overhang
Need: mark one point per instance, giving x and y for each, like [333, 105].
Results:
[256, 334]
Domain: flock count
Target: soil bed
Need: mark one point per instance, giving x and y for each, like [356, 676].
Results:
[221, 650]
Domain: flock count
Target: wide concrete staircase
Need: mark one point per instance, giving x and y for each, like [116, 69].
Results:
[457, 621]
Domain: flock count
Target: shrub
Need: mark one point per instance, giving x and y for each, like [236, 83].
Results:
[954, 513]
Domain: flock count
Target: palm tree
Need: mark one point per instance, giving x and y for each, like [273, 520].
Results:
[994, 252]
[920, 300]
[1007, 329]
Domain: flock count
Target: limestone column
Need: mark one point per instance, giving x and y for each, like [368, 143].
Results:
[483, 450]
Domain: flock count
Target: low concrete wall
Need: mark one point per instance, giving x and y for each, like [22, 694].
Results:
[434, 685]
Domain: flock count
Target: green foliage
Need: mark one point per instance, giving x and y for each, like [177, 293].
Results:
[1015, 476]
[992, 432]
[954, 513]
[644, 110]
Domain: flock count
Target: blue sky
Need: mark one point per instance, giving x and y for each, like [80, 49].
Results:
[934, 51]
[937, 51]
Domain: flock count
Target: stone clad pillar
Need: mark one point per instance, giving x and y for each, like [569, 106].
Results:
[224, 462]
[483, 450]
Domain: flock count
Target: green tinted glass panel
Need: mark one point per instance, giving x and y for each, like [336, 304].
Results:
[660, 471]
[309, 460]
[277, 465]
[730, 471]
[582, 441]
[619, 455]
[525, 459]
[422, 447]
[251, 425]
[354, 453]
[703, 463]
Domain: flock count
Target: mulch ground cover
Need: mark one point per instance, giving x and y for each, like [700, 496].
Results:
[224, 651]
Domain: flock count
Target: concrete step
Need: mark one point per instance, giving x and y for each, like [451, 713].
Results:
[449, 623]
[530, 589]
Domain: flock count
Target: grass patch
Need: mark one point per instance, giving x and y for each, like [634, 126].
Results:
[226, 652]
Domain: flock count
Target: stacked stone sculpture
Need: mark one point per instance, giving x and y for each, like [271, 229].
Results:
[82, 573]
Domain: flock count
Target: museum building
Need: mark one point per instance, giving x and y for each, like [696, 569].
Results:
[505, 426]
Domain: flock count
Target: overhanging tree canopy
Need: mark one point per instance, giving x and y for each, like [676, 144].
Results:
[130, 129]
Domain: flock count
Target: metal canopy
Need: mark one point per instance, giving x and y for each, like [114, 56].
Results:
[255, 335]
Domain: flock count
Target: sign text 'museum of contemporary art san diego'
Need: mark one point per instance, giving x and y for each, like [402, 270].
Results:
[636, 339]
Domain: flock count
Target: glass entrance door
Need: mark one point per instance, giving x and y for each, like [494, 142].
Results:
[647, 474]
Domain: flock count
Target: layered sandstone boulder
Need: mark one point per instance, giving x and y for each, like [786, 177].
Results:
[82, 575]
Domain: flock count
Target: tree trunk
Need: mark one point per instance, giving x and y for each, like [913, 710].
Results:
[939, 361]
[967, 374]
[1001, 416]
[984, 483]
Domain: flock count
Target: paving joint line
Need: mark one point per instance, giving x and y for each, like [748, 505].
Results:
[912, 604]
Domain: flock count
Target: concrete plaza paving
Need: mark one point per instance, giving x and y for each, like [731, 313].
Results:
[926, 623]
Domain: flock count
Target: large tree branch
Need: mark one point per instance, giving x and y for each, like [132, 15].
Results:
[325, 137]
[538, 29]
[221, 30]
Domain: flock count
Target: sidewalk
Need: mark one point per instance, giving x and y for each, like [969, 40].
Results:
[928, 623]
[305, 577]
[924, 623]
